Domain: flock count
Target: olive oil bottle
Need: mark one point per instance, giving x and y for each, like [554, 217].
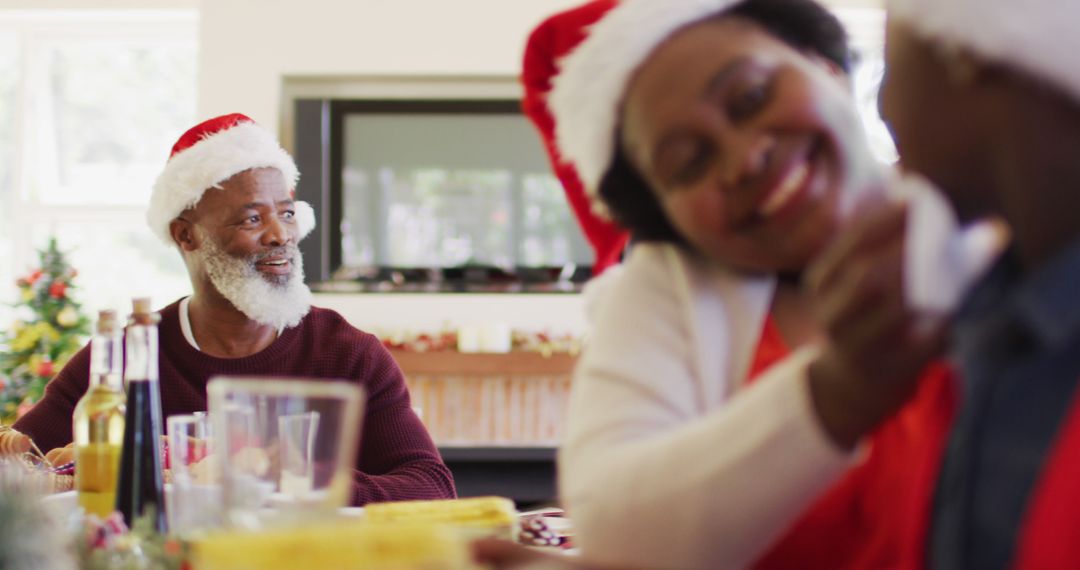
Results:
[98, 421]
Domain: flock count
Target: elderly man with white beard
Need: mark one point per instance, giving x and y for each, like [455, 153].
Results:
[225, 200]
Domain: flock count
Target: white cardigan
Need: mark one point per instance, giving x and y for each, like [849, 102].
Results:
[667, 463]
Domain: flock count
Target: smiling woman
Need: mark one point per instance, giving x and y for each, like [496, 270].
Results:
[724, 135]
[748, 151]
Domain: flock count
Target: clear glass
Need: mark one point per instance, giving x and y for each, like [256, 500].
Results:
[193, 499]
[297, 446]
[287, 447]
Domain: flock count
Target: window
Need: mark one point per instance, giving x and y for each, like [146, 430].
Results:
[866, 27]
[90, 103]
[479, 194]
[9, 68]
[435, 194]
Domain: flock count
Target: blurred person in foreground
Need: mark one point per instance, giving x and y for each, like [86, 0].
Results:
[225, 201]
[983, 99]
[708, 427]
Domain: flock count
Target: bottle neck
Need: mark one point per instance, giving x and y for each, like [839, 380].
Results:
[141, 344]
[106, 361]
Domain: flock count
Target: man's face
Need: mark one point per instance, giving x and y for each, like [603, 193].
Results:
[245, 244]
[252, 217]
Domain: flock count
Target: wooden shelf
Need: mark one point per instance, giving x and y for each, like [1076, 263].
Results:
[522, 472]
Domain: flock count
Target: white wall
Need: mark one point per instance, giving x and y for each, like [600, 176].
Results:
[250, 46]
[98, 4]
[416, 312]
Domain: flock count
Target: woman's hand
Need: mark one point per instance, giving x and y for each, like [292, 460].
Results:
[876, 347]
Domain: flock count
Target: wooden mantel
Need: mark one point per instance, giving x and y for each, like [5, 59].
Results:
[447, 362]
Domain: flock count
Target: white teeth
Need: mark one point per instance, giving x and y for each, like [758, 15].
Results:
[786, 189]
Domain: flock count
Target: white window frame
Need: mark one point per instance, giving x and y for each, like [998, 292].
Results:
[33, 165]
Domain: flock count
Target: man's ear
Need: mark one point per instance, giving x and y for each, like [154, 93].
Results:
[183, 234]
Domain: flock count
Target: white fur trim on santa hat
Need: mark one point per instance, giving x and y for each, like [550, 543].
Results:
[305, 218]
[213, 160]
[1038, 37]
[588, 91]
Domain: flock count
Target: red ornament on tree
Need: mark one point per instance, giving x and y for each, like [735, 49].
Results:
[57, 289]
[46, 369]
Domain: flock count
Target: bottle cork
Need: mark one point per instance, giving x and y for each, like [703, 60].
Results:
[141, 312]
[107, 322]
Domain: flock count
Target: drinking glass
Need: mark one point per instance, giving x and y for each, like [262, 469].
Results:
[193, 500]
[287, 446]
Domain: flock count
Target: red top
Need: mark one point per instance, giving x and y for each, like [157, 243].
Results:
[396, 459]
[551, 40]
[1047, 539]
[858, 523]
[878, 515]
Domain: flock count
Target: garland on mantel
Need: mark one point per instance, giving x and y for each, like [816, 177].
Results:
[542, 342]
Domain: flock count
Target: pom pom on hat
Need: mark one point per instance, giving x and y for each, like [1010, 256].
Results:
[210, 153]
[589, 89]
[1035, 36]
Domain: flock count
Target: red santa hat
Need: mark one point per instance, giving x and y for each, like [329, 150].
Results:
[549, 41]
[1036, 36]
[589, 89]
[210, 153]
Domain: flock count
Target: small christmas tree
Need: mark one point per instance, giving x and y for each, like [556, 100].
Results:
[52, 330]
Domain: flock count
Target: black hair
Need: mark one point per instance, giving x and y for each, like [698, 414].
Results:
[802, 24]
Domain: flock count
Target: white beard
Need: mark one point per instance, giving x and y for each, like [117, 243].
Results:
[278, 304]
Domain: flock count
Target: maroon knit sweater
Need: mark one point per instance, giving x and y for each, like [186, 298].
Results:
[396, 460]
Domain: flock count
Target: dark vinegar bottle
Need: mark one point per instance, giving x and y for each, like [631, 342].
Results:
[139, 489]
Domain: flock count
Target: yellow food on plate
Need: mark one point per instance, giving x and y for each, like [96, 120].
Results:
[494, 515]
[340, 545]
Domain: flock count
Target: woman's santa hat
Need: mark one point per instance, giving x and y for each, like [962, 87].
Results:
[548, 43]
[210, 153]
[1036, 36]
[588, 91]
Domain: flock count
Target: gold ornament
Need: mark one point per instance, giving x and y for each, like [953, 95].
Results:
[67, 317]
